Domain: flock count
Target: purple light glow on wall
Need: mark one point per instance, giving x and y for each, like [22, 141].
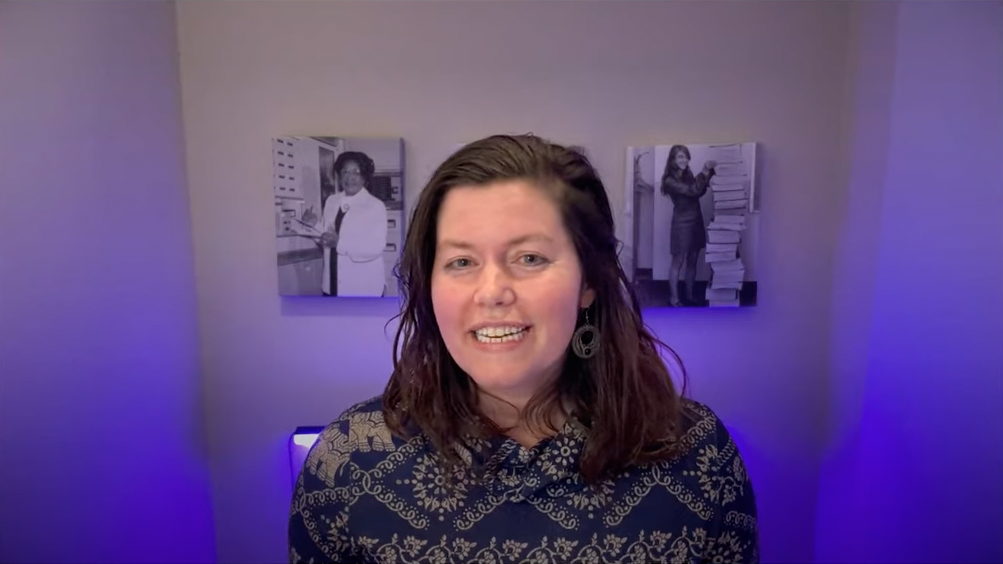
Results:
[99, 344]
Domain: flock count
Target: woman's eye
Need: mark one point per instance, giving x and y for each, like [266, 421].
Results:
[459, 263]
[532, 260]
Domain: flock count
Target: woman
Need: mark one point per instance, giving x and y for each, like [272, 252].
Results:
[354, 231]
[688, 230]
[529, 416]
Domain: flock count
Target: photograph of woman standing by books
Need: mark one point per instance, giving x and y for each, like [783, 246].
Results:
[694, 223]
[688, 235]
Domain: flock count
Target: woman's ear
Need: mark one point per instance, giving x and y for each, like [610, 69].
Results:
[588, 296]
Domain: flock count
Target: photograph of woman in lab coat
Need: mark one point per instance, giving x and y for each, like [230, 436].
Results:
[353, 224]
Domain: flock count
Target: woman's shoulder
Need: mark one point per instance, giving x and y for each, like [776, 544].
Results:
[361, 424]
[359, 429]
[371, 405]
[371, 201]
[332, 199]
[702, 428]
[713, 466]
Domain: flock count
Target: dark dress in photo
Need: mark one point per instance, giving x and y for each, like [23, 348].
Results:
[688, 230]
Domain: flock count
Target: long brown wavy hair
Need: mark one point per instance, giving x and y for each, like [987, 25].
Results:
[623, 395]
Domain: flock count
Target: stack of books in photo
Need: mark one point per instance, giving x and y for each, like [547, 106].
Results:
[730, 188]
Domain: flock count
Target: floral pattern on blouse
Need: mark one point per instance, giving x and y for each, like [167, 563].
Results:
[366, 496]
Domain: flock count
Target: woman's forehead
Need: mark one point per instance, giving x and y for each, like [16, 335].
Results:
[501, 211]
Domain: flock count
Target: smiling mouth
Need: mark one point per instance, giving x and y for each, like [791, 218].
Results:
[492, 335]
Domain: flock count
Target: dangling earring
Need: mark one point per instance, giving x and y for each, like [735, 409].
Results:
[585, 341]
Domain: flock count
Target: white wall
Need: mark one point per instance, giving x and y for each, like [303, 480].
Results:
[603, 74]
[102, 454]
[916, 459]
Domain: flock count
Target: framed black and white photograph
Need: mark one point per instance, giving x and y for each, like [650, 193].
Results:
[692, 216]
[339, 215]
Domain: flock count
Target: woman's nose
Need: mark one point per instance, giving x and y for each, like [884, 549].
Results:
[494, 287]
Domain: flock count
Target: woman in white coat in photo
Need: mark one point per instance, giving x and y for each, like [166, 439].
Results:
[354, 230]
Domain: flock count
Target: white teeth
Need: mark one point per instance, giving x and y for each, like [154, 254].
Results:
[500, 334]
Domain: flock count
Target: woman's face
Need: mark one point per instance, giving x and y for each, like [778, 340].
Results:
[350, 178]
[506, 286]
[682, 160]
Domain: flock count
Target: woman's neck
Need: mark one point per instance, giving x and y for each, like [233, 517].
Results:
[508, 414]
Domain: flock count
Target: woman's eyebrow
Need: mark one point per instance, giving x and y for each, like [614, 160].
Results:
[528, 238]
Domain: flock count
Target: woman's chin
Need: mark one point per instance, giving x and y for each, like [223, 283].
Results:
[504, 385]
[507, 386]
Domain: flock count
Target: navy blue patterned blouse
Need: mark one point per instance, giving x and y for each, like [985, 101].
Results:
[367, 496]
